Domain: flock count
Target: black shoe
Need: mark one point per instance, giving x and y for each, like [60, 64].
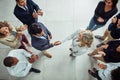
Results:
[94, 69]
[92, 73]
[35, 70]
[70, 49]
[98, 45]
[99, 37]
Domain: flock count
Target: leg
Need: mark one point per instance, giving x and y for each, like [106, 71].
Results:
[24, 39]
[34, 70]
[94, 74]
[96, 27]
[94, 52]
[46, 54]
[91, 24]
[100, 58]
[23, 46]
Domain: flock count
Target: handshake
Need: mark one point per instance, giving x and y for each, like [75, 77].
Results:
[57, 43]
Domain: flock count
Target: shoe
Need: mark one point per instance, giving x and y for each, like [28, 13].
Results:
[47, 54]
[94, 69]
[71, 55]
[92, 73]
[70, 49]
[35, 70]
[98, 45]
[99, 37]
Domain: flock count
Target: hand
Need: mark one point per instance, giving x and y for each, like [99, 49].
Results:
[100, 19]
[23, 27]
[50, 36]
[35, 15]
[102, 66]
[39, 12]
[19, 33]
[33, 58]
[57, 43]
[101, 53]
[114, 20]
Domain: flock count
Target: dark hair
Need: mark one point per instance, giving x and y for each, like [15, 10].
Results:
[114, 3]
[4, 24]
[35, 29]
[8, 61]
[115, 74]
[17, 0]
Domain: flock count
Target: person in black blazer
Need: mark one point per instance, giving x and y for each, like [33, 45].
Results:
[27, 11]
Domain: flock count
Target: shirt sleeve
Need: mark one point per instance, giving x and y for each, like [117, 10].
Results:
[36, 7]
[25, 53]
[71, 36]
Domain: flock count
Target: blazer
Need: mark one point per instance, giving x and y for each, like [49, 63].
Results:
[39, 42]
[26, 16]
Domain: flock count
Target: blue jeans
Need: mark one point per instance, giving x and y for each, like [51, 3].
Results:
[93, 26]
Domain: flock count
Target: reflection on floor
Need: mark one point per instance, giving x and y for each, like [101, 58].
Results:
[62, 17]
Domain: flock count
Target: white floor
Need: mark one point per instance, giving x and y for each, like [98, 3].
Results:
[62, 17]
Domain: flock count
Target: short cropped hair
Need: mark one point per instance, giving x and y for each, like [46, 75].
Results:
[8, 61]
[35, 29]
[115, 74]
[87, 37]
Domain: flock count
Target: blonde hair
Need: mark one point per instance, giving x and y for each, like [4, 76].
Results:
[87, 38]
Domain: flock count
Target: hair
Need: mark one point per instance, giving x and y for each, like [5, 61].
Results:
[114, 3]
[4, 24]
[115, 74]
[87, 37]
[8, 61]
[35, 28]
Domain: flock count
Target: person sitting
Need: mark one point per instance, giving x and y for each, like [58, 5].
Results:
[19, 62]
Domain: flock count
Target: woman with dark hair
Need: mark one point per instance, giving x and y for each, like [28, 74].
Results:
[13, 37]
[103, 12]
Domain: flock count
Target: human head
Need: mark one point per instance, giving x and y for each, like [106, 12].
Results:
[35, 29]
[112, 3]
[21, 2]
[115, 74]
[4, 28]
[9, 61]
[86, 37]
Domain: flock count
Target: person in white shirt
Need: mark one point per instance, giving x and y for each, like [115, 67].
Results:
[107, 72]
[81, 42]
[19, 62]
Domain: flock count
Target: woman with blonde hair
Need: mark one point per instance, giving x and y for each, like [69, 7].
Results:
[81, 42]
